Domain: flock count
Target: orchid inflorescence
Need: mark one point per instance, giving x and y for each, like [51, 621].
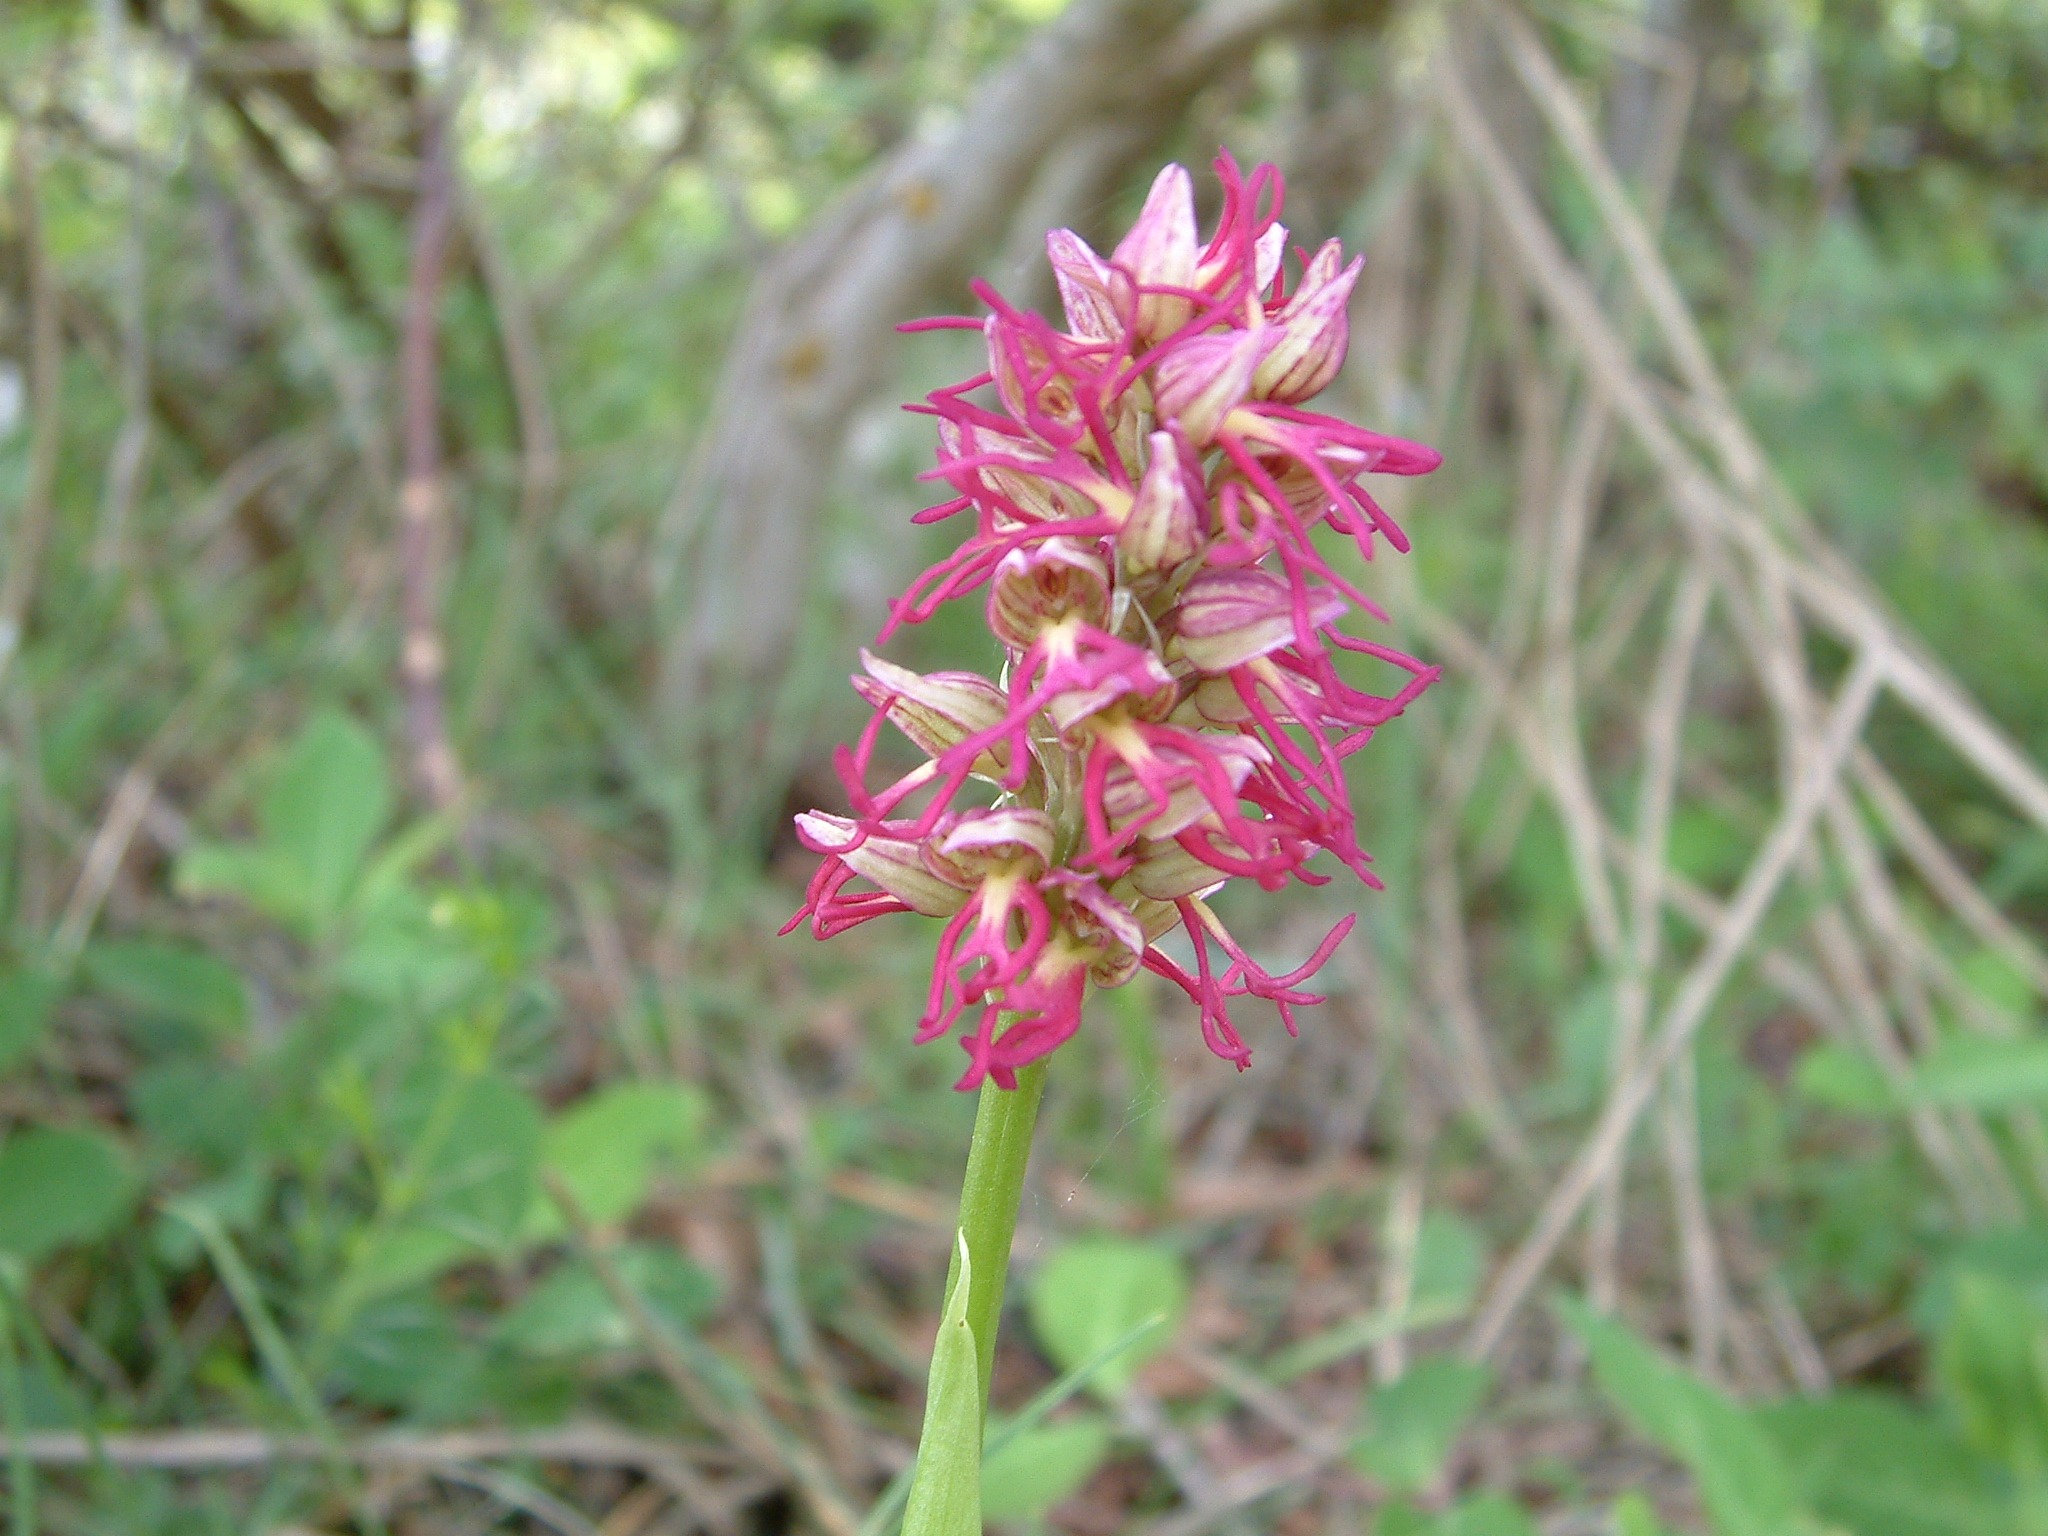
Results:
[1144, 486]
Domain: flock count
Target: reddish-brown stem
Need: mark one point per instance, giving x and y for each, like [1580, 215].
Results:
[422, 507]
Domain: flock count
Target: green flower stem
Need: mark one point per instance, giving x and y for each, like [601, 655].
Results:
[989, 1197]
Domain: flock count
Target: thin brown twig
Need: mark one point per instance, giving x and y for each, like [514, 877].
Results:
[45, 402]
[744, 1427]
[423, 532]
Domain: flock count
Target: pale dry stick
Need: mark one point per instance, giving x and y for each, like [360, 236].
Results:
[125, 811]
[518, 1496]
[1663, 728]
[1707, 1309]
[1788, 975]
[202, 1450]
[540, 465]
[1849, 972]
[607, 947]
[1742, 459]
[1943, 875]
[744, 1426]
[1587, 462]
[1688, 1009]
[1794, 1339]
[1276, 1474]
[1397, 1266]
[131, 442]
[1446, 966]
[1767, 628]
[1792, 978]
[1833, 593]
[1451, 327]
[423, 531]
[1911, 960]
[1770, 630]
[31, 524]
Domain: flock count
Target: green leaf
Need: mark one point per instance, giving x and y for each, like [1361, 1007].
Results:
[60, 1186]
[1992, 1362]
[1415, 1422]
[1838, 1077]
[27, 997]
[254, 872]
[1091, 1293]
[1982, 1073]
[1873, 1462]
[199, 1109]
[1043, 1467]
[171, 981]
[571, 1313]
[325, 808]
[1742, 1479]
[479, 1178]
[606, 1148]
[1634, 1515]
[395, 1346]
[945, 1494]
[1450, 1261]
[1488, 1515]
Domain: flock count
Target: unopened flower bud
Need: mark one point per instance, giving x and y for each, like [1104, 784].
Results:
[1314, 331]
[1099, 299]
[1203, 379]
[1164, 525]
[1160, 253]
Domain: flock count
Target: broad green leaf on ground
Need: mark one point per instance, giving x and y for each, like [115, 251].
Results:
[197, 1108]
[27, 996]
[329, 798]
[1450, 1261]
[2016, 1255]
[395, 1346]
[607, 1147]
[1839, 1077]
[1982, 1073]
[1487, 1515]
[60, 1186]
[325, 807]
[1413, 1424]
[571, 1313]
[1742, 1478]
[1874, 1462]
[1042, 1467]
[478, 1178]
[1991, 1359]
[1091, 1293]
[468, 1175]
[945, 1493]
[170, 981]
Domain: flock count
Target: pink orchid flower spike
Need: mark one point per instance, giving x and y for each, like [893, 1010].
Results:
[1174, 710]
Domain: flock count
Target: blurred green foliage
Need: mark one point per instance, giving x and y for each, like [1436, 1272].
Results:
[294, 1106]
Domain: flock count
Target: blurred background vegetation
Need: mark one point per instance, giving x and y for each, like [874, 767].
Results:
[448, 456]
